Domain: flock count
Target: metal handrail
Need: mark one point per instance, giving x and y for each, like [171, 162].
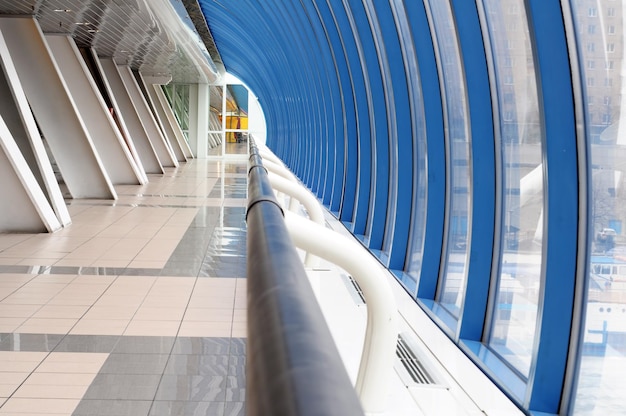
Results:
[379, 345]
[293, 366]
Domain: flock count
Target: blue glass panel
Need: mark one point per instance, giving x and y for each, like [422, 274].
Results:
[454, 270]
[513, 325]
[472, 322]
[600, 38]
[364, 15]
[360, 88]
[429, 165]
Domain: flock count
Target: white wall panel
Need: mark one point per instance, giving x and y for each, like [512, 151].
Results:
[107, 139]
[133, 128]
[166, 156]
[55, 111]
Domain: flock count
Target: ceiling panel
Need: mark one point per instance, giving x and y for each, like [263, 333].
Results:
[126, 30]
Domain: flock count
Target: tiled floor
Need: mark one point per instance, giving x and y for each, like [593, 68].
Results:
[137, 308]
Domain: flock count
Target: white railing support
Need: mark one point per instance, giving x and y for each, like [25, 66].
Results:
[381, 334]
[266, 153]
[301, 194]
[281, 170]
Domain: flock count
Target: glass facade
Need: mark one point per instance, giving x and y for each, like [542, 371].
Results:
[455, 264]
[523, 219]
[178, 97]
[600, 39]
[513, 324]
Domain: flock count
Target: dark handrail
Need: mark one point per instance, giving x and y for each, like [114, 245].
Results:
[293, 366]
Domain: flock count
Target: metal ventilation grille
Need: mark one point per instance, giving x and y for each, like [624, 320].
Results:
[412, 364]
[357, 288]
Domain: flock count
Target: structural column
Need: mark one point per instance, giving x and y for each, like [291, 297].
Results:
[199, 119]
[107, 139]
[166, 157]
[136, 135]
[55, 111]
[15, 110]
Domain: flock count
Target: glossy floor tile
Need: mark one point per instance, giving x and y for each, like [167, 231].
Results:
[137, 308]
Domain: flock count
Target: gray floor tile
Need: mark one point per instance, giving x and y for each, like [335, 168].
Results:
[205, 365]
[29, 342]
[236, 395]
[87, 343]
[178, 408]
[237, 381]
[123, 386]
[236, 365]
[113, 408]
[192, 388]
[131, 363]
[237, 346]
[235, 409]
[144, 345]
[202, 346]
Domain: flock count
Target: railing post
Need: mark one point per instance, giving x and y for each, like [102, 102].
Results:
[376, 367]
[299, 193]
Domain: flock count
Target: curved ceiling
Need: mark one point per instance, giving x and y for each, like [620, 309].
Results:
[282, 51]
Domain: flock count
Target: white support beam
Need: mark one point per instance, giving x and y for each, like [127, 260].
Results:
[166, 156]
[171, 118]
[150, 88]
[23, 206]
[109, 143]
[55, 111]
[14, 109]
[133, 129]
[116, 115]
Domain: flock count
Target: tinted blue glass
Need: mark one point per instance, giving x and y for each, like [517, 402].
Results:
[458, 158]
[512, 333]
[600, 37]
[420, 179]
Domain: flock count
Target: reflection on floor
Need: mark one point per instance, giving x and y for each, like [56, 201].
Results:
[137, 308]
[229, 149]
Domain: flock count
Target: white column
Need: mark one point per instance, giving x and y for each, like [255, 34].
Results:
[55, 110]
[23, 206]
[109, 143]
[224, 107]
[203, 120]
[153, 132]
[193, 119]
[199, 119]
[19, 119]
[171, 121]
[133, 130]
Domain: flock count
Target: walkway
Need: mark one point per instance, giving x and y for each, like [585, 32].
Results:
[137, 308]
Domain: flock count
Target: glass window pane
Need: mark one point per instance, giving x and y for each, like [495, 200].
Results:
[512, 333]
[178, 97]
[415, 252]
[601, 382]
[236, 119]
[457, 155]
